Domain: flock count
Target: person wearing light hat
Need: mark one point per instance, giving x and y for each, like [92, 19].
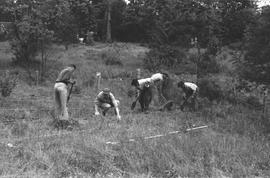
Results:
[105, 100]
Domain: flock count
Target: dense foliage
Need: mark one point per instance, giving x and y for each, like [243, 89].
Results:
[257, 58]
[161, 23]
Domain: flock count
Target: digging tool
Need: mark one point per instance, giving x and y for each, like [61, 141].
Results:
[134, 103]
[70, 91]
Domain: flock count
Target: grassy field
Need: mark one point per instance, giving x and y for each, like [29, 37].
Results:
[236, 143]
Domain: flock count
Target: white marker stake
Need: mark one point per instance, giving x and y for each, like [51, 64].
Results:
[98, 78]
[138, 77]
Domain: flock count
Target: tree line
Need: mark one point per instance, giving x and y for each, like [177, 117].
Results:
[170, 23]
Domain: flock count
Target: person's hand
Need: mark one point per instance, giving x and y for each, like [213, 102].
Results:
[73, 82]
[97, 113]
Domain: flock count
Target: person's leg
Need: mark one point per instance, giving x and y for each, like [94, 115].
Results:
[184, 103]
[105, 107]
[162, 99]
[194, 101]
[57, 102]
[63, 98]
[141, 101]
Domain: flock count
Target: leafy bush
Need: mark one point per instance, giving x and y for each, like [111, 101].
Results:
[29, 39]
[111, 58]
[208, 64]
[210, 89]
[254, 102]
[256, 58]
[7, 83]
[163, 56]
[113, 61]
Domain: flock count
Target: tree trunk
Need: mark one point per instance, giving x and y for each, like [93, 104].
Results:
[108, 32]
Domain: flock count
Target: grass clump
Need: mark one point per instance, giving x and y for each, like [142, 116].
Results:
[7, 83]
[111, 58]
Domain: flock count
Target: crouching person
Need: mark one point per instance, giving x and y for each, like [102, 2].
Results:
[104, 101]
[62, 91]
[190, 92]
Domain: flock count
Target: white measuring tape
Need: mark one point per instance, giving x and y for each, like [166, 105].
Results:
[160, 135]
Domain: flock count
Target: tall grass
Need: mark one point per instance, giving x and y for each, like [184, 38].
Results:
[236, 144]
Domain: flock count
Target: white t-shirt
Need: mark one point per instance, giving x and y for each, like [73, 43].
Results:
[157, 77]
[143, 81]
[191, 85]
[154, 78]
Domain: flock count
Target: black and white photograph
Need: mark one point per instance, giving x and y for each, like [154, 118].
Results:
[134, 88]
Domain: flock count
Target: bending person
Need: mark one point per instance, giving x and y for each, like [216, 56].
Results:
[190, 91]
[104, 101]
[158, 79]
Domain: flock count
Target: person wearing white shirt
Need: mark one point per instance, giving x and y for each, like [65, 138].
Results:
[190, 91]
[158, 79]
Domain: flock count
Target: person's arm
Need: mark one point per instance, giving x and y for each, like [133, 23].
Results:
[96, 110]
[65, 75]
[115, 106]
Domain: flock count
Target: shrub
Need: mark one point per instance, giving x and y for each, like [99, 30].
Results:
[111, 58]
[254, 102]
[210, 89]
[7, 83]
[30, 38]
[113, 61]
[163, 56]
[208, 64]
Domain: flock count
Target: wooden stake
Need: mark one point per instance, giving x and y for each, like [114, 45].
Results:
[98, 78]
[138, 73]
[138, 77]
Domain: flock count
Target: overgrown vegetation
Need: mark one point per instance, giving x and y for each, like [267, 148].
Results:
[8, 82]
[185, 38]
[163, 57]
